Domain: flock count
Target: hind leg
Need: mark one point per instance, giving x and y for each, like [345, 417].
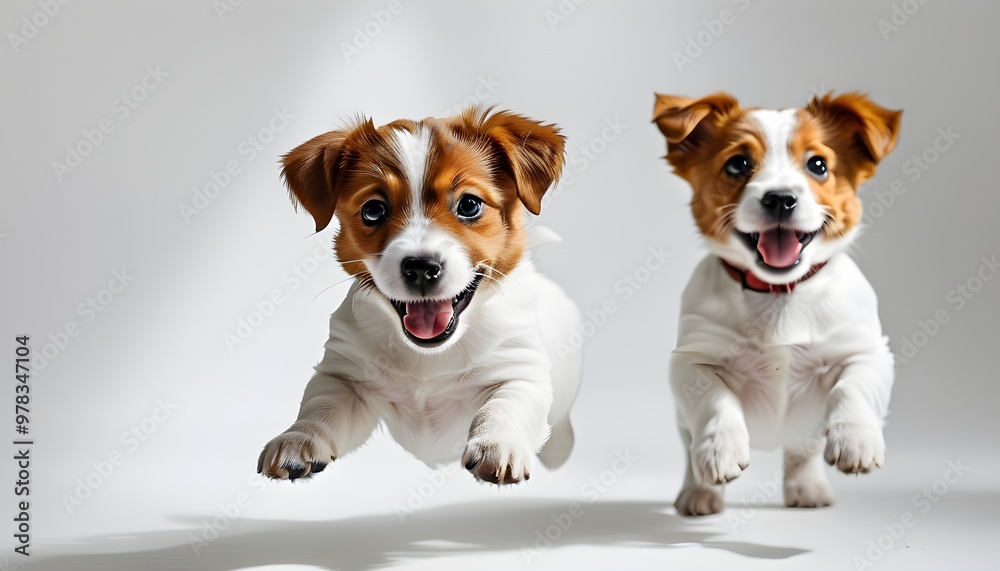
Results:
[806, 485]
[559, 446]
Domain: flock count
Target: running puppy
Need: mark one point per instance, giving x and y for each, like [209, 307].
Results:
[448, 334]
[780, 343]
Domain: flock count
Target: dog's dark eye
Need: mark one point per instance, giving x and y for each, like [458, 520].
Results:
[816, 166]
[374, 212]
[469, 207]
[738, 167]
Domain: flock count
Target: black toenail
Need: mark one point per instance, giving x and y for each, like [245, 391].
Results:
[296, 471]
[317, 467]
[471, 464]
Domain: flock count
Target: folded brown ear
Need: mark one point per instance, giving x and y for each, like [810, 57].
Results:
[311, 172]
[870, 128]
[677, 116]
[533, 151]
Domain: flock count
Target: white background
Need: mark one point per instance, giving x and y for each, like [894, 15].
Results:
[163, 337]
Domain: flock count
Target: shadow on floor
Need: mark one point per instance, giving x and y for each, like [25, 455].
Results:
[375, 541]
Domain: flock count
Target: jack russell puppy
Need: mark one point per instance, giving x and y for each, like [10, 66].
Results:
[448, 335]
[779, 343]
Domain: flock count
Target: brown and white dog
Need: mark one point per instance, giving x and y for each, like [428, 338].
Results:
[779, 343]
[448, 334]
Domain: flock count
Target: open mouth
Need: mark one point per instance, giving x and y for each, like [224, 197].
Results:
[429, 323]
[778, 249]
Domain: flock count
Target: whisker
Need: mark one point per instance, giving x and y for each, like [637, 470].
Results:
[828, 221]
[366, 284]
[495, 284]
[357, 261]
[725, 222]
[492, 269]
[322, 291]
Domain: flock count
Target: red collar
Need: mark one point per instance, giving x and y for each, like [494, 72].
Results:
[753, 283]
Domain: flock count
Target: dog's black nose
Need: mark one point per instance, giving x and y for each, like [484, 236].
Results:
[421, 272]
[778, 205]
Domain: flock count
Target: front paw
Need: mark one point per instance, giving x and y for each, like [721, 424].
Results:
[293, 455]
[497, 462]
[721, 456]
[854, 448]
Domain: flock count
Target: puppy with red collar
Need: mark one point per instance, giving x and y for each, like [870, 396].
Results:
[448, 334]
[779, 343]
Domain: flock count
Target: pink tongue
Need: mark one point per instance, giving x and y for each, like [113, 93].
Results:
[427, 319]
[780, 247]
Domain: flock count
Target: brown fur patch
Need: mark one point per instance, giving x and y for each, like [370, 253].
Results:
[853, 134]
[507, 160]
[702, 135]
[836, 193]
[850, 131]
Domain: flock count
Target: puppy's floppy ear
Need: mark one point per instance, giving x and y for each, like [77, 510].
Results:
[869, 129]
[312, 172]
[678, 117]
[532, 151]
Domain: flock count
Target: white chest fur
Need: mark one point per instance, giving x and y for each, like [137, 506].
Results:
[780, 354]
[427, 400]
